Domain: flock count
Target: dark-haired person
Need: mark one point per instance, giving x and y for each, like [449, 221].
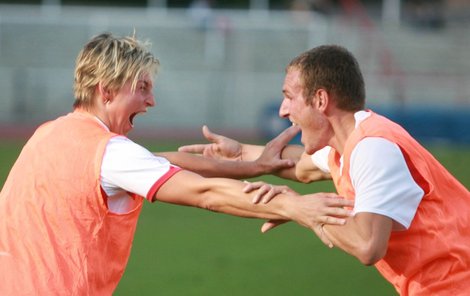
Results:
[411, 216]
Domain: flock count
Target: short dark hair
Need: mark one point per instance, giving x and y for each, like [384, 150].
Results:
[334, 69]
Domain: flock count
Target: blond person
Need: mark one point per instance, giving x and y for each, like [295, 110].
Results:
[71, 202]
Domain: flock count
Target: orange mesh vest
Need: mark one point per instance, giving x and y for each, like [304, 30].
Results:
[57, 236]
[432, 257]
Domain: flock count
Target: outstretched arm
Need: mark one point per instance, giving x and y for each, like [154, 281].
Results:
[210, 167]
[277, 157]
[227, 196]
[222, 147]
[224, 157]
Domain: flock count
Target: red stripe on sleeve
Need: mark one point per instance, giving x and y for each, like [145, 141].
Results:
[153, 190]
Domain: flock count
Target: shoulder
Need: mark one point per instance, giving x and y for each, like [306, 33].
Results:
[376, 154]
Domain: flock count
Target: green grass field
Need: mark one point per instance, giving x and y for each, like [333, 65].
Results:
[187, 251]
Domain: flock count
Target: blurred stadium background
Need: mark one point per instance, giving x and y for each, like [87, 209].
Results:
[223, 61]
[222, 64]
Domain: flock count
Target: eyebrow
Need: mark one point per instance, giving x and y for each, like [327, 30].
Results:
[145, 82]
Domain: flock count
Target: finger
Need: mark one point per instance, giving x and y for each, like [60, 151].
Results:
[271, 224]
[338, 199]
[331, 195]
[209, 135]
[340, 212]
[286, 136]
[194, 148]
[252, 186]
[339, 202]
[319, 231]
[270, 194]
[333, 219]
[262, 191]
[284, 164]
[289, 191]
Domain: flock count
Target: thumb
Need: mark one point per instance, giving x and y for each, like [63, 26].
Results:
[285, 163]
[213, 137]
[271, 224]
[287, 135]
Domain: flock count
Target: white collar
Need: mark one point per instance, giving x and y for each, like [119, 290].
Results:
[360, 116]
[101, 123]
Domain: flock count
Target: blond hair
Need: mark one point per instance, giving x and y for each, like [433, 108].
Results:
[112, 61]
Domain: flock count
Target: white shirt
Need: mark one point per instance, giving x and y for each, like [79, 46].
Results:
[380, 177]
[128, 167]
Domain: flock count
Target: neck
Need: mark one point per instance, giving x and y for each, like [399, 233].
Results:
[343, 124]
[98, 110]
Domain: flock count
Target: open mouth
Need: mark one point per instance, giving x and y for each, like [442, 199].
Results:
[133, 115]
[131, 118]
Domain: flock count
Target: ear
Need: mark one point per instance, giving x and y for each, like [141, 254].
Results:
[104, 93]
[321, 100]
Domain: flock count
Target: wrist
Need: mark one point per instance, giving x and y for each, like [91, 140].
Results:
[257, 169]
[287, 207]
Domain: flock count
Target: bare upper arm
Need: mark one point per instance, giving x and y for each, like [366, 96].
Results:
[183, 188]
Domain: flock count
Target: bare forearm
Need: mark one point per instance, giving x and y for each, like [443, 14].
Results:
[251, 152]
[220, 195]
[209, 167]
[226, 196]
[364, 236]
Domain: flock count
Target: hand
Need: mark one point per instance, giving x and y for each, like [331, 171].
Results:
[265, 192]
[270, 159]
[315, 210]
[220, 148]
[318, 229]
[320, 232]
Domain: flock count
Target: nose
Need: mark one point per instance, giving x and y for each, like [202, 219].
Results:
[150, 101]
[284, 109]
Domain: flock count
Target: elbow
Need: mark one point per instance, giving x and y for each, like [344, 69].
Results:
[303, 179]
[212, 201]
[311, 176]
[208, 203]
[369, 255]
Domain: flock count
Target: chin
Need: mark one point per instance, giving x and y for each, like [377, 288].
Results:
[310, 151]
